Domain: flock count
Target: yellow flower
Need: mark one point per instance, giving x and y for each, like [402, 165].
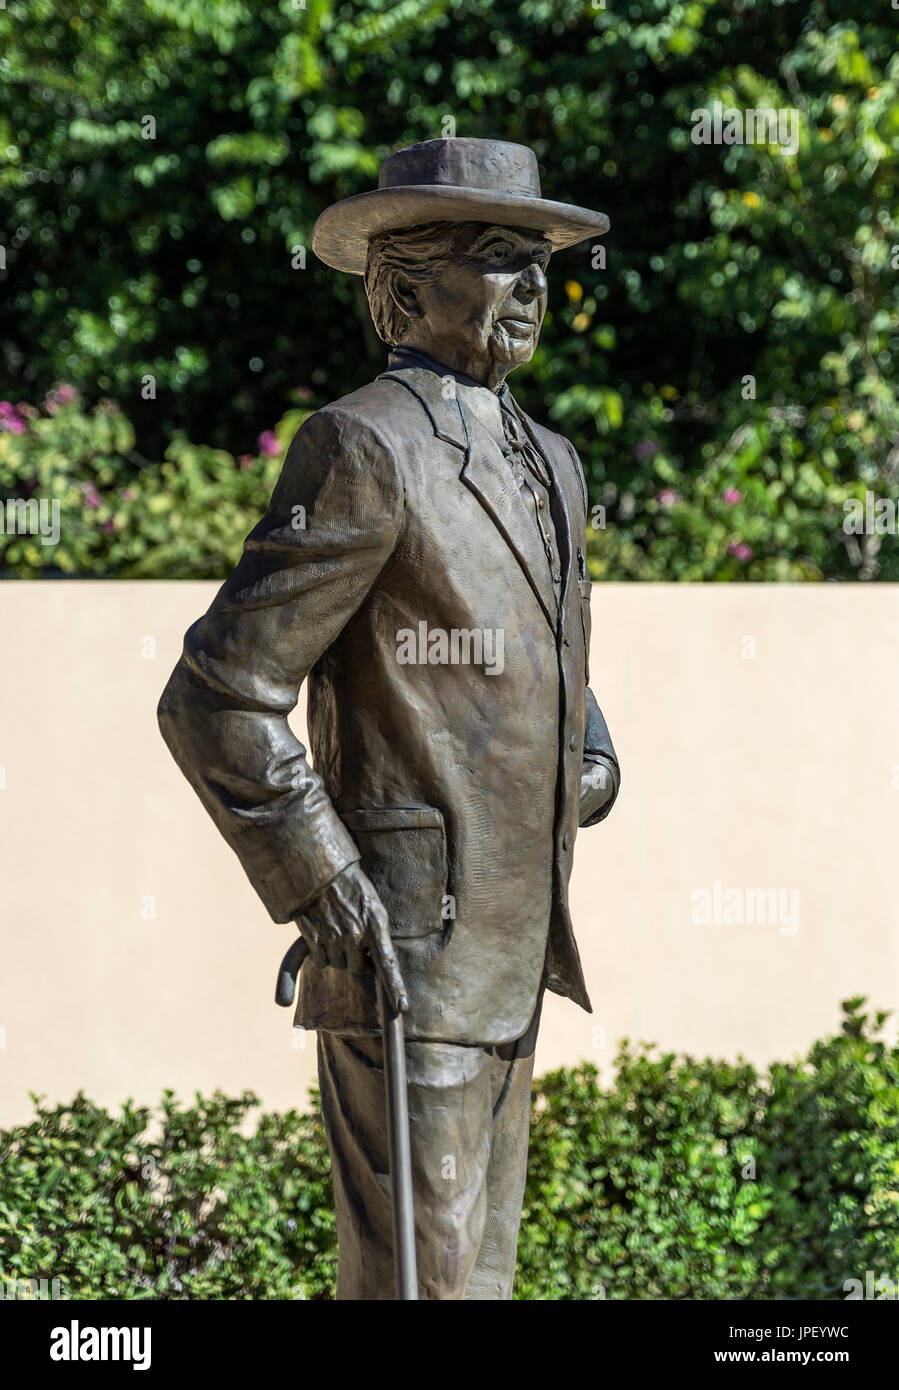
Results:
[581, 321]
[825, 134]
[752, 200]
[574, 291]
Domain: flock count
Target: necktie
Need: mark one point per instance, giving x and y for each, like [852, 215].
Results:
[517, 448]
[533, 478]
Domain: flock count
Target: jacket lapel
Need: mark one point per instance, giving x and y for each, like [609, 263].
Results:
[439, 402]
[487, 475]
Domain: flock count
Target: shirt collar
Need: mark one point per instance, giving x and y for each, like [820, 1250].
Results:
[412, 357]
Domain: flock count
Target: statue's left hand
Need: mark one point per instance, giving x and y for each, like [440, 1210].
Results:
[598, 784]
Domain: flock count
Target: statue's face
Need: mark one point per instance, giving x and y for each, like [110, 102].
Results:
[482, 316]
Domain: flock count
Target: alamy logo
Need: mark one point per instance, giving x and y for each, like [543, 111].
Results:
[766, 125]
[873, 1288]
[456, 646]
[28, 1289]
[746, 907]
[876, 516]
[77, 1343]
[29, 517]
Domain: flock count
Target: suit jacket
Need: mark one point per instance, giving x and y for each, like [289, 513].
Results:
[458, 786]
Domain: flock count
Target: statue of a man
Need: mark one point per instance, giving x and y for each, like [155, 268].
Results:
[422, 564]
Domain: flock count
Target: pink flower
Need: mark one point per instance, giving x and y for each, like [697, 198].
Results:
[667, 497]
[246, 461]
[92, 497]
[732, 494]
[10, 419]
[268, 443]
[60, 395]
[108, 525]
[740, 550]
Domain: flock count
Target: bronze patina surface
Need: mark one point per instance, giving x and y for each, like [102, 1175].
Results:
[422, 566]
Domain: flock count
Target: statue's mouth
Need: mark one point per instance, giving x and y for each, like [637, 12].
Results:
[517, 327]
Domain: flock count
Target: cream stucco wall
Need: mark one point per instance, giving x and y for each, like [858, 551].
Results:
[758, 730]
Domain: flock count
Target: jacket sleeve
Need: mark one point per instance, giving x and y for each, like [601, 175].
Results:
[601, 773]
[333, 521]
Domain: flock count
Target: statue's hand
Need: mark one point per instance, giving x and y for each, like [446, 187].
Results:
[346, 919]
[597, 788]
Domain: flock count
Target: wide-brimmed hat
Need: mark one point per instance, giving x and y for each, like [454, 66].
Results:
[458, 180]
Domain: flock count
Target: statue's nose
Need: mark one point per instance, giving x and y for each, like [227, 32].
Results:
[531, 283]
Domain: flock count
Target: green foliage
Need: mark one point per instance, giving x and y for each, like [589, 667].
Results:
[705, 1180]
[119, 515]
[174, 256]
[187, 1206]
[694, 1179]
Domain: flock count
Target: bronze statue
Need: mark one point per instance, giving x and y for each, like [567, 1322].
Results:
[422, 563]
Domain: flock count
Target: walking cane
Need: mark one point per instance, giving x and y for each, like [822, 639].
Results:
[400, 1150]
[399, 1146]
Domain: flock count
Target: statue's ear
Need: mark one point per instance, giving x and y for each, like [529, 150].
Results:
[402, 291]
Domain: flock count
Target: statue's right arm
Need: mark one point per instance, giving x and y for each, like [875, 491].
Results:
[333, 521]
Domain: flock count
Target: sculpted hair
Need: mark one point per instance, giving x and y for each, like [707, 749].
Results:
[422, 253]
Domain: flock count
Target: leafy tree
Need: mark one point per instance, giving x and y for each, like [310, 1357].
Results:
[727, 376]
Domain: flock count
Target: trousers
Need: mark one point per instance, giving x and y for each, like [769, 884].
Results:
[469, 1118]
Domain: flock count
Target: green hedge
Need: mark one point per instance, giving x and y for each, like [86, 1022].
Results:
[122, 515]
[690, 1179]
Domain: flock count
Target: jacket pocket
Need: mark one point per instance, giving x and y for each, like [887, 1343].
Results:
[403, 851]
